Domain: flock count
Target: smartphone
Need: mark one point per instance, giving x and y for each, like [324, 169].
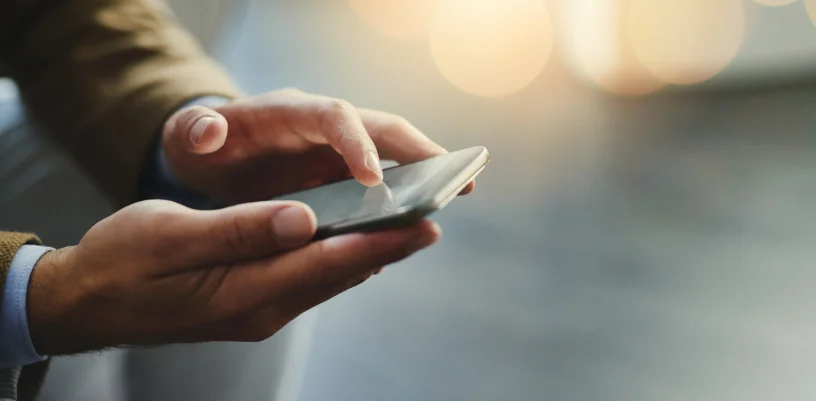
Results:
[408, 193]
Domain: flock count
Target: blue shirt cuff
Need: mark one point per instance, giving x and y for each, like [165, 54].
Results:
[159, 181]
[16, 348]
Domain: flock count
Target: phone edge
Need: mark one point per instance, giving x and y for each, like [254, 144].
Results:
[413, 214]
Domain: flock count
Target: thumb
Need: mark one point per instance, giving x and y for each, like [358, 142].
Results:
[195, 129]
[238, 233]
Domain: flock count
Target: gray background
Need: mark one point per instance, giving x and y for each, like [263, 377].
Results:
[660, 248]
[614, 250]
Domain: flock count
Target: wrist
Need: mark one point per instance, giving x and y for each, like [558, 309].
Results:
[54, 297]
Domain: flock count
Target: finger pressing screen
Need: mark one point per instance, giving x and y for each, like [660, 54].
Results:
[397, 139]
[342, 127]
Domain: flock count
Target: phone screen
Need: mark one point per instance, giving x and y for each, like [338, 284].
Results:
[402, 186]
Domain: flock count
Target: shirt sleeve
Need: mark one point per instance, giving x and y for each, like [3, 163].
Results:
[159, 182]
[16, 348]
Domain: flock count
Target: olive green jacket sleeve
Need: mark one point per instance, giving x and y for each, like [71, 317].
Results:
[101, 76]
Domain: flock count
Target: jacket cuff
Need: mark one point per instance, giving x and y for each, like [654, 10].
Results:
[10, 243]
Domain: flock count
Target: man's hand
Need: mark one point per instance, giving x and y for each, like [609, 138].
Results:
[157, 272]
[260, 147]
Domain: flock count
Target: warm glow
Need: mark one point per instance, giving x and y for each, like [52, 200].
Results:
[688, 41]
[491, 47]
[775, 3]
[811, 10]
[406, 19]
[601, 50]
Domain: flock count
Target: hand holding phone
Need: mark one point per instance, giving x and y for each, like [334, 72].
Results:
[407, 194]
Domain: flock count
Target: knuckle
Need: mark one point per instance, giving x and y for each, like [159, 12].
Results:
[245, 233]
[338, 108]
[338, 120]
[400, 123]
[158, 222]
[323, 267]
[235, 238]
[161, 216]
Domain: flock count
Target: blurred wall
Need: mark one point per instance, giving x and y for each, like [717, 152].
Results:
[205, 18]
[615, 248]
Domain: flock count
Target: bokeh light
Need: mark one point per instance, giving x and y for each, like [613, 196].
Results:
[810, 5]
[775, 3]
[600, 49]
[491, 47]
[404, 19]
[688, 41]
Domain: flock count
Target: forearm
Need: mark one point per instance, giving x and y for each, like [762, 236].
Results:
[103, 76]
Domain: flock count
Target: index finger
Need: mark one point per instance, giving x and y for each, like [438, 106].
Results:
[341, 126]
[321, 265]
[397, 139]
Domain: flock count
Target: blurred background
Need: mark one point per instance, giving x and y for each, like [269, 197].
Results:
[645, 230]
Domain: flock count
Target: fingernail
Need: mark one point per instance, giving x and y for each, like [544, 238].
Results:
[198, 129]
[293, 226]
[372, 161]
